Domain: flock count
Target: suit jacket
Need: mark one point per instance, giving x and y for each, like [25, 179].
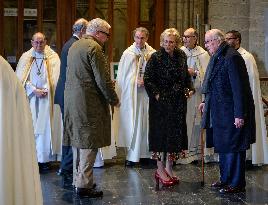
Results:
[59, 94]
[229, 97]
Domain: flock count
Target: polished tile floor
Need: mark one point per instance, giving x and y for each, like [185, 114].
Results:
[136, 186]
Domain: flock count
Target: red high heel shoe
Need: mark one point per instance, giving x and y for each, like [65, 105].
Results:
[165, 183]
[174, 178]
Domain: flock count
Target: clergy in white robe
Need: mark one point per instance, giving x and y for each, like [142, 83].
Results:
[197, 61]
[38, 70]
[258, 152]
[133, 112]
[19, 176]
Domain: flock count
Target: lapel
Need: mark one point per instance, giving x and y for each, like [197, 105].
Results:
[217, 66]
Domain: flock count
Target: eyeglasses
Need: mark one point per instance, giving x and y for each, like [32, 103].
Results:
[169, 42]
[107, 34]
[38, 42]
[227, 39]
[208, 41]
[187, 36]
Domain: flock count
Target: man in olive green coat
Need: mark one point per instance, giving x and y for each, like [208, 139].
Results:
[88, 93]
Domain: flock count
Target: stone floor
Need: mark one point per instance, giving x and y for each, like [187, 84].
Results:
[136, 186]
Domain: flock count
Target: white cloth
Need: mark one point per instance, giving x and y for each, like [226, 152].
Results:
[19, 174]
[259, 150]
[106, 152]
[132, 130]
[197, 59]
[42, 71]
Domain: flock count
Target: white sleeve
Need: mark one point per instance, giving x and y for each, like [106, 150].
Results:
[29, 88]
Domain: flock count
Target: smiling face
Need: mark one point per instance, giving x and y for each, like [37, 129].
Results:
[189, 39]
[39, 42]
[140, 38]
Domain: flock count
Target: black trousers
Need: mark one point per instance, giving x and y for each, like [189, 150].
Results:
[66, 165]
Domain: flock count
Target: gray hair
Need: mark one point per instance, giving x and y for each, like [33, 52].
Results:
[79, 25]
[96, 25]
[217, 34]
[142, 30]
[170, 32]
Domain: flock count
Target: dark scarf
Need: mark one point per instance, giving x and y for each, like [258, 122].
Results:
[205, 122]
[206, 82]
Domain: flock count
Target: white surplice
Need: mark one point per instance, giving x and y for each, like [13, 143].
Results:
[19, 174]
[37, 70]
[197, 58]
[258, 152]
[132, 130]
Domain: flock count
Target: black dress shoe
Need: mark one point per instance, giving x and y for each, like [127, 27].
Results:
[62, 172]
[231, 190]
[90, 193]
[44, 167]
[129, 163]
[93, 186]
[59, 172]
[218, 185]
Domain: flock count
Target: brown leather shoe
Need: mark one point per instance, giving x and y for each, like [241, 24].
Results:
[231, 190]
[218, 185]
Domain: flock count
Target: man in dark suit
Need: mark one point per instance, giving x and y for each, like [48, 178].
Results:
[228, 111]
[66, 167]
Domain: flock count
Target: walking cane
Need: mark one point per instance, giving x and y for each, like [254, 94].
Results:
[202, 156]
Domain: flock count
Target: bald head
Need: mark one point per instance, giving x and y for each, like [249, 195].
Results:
[39, 42]
[39, 35]
[190, 37]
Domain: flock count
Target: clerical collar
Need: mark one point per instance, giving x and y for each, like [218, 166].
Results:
[190, 49]
[141, 49]
[37, 55]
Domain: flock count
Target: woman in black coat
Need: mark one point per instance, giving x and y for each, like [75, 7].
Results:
[167, 83]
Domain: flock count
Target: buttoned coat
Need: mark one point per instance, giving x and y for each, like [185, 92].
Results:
[229, 97]
[88, 93]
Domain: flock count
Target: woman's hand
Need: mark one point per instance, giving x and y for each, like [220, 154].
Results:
[157, 97]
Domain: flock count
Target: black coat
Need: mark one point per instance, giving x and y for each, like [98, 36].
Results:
[59, 93]
[229, 97]
[168, 77]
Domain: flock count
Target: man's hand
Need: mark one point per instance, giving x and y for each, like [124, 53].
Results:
[190, 94]
[239, 122]
[118, 104]
[191, 71]
[140, 82]
[40, 93]
[201, 107]
[157, 97]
